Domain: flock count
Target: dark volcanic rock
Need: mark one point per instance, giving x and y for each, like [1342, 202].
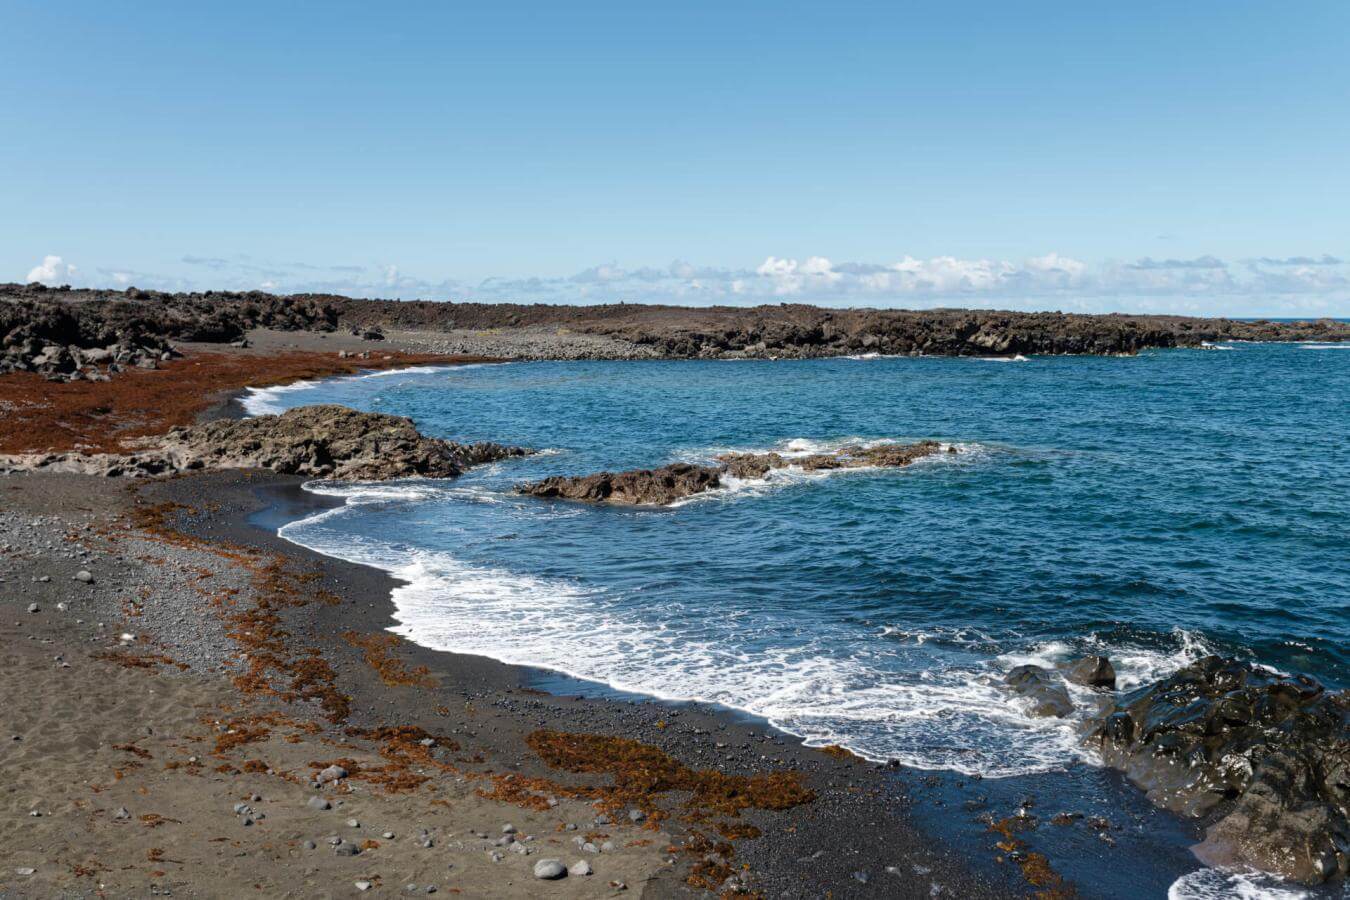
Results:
[757, 465]
[640, 486]
[660, 487]
[325, 441]
[1266, 757]
[1049, 697]
[1092, 671]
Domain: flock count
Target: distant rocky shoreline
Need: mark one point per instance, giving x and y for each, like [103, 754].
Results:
[66, 333]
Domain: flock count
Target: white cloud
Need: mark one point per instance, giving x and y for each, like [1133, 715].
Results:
[1260, 285]
[52, 271]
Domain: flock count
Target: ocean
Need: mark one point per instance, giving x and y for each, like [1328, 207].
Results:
[1153, 509]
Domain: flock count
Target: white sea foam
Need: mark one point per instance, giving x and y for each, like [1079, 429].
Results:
[270, 400]
[1018, 358]
[1228, 884]
[1207, 345]
[1345, 346]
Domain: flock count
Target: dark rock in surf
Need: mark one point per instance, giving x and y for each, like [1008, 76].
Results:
[666, 485]
[1048, 696]
[657, 487]
[1091, 671]
[1264, 757]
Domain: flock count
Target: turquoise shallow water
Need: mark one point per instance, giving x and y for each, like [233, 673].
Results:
[1153, 508]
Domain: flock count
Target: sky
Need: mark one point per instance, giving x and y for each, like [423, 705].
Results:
[1187, 157]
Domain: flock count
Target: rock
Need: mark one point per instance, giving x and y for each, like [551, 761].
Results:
[1092, 671]
[508, 829]
[663, 486]
[636, 815]
[1049, 697]
[84, 577]
[550, 870]
[353, 823]
[33, 607]
[317, 802]
[122, 813]
[332, 773]
[346, 848]
[861, 877]
[363, 886]
[325, 441]
[25, 871]
[1263, 757]
[310, 845]
[579, 868]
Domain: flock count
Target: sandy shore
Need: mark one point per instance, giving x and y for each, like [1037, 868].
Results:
[165, 721]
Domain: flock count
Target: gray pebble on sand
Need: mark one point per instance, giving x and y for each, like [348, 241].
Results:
[581, 867]
[84, 576]
[549, 870]
[319, 803]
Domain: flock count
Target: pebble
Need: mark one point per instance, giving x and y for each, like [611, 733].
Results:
[550, 870]
[122, 813]
[332, 773]
[581, 867]
[388, 835]
[607, 847]
[310, 845]
[363, 885]
[589, 847]
[353, 823]
[84, 576]
[861, 877]
[346, 848]
[636, 815]
[33, 607]
[508, 829]
[319, 803]
[25, 870]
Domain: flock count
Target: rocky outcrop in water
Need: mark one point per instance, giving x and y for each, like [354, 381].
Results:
[326, 441]
[663, 486]
[649, 487]
[1265, 757]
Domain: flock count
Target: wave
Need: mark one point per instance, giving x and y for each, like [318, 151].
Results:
[798, 448]
[888, 694]
[1345, 346]
[1229, 884]
[261, 401]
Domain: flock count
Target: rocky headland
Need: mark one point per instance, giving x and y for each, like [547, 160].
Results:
[325, 441]
[668, 484]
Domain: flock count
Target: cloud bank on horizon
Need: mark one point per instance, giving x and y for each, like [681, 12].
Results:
[1296, 285]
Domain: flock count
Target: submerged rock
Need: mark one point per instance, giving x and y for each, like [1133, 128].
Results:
[1049, 697]
[1266, 756]
[325, 441]
[1091, 671]
[663, 486]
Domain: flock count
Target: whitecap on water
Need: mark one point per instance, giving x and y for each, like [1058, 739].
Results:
[1229, 884]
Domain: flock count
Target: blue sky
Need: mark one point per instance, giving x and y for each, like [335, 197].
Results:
[1159, 156]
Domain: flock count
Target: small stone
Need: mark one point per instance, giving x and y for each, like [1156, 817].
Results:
[388, 835]
[33, 607]
[122, 813]
[861, 877]
[25, 870]
[353, 823]
[549, 870]
[508, 829]
[607, 847]
[319, 803]
[332, 773]
[581, 867]
[346, 848]
[363, 885]
[310, 845]
[636, 815]
[589, 847]
[84, 576]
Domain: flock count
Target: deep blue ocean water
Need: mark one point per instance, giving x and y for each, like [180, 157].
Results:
[1153, 509]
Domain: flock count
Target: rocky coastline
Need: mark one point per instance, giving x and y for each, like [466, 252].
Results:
[50, 330]
[1261, 759]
